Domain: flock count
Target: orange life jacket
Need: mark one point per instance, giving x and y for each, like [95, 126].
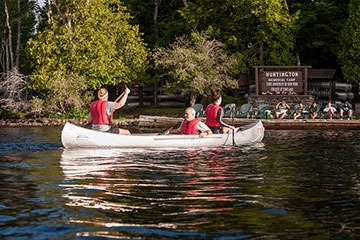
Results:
[190, 128]
[211, 115]
[98, 113]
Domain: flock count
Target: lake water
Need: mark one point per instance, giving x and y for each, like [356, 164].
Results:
[297, 184]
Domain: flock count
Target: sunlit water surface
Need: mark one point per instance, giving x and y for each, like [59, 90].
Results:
[295, 185]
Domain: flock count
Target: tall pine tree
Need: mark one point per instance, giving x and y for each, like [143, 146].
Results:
[350, 54]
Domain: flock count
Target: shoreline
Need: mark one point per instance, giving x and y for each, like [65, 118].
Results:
[51, 122]
[145, 121]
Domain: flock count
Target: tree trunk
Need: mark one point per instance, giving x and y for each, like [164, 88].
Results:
[155, 93]
[68, 18]
[49, 12]
[298, 62]
[156, 37]
[11, 63]
[156, 12]
[7, 60]
[261, 52]
[2, 56]
[17, 59]
[185, 3]
[141, 97]
[60, 13]
[193, 97]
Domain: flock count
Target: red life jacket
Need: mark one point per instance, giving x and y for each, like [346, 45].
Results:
[190, 128]
[98, 113]
[211, 115]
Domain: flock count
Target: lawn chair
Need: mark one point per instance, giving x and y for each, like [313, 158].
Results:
[228, 111]
[337, 113]
[318, 112]
[198, 109]
[345, 114]
[245, 111]
[326, 116]
[303, 115]
[262, 109]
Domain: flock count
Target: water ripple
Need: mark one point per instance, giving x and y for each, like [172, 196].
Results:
[296, 185]
[28, 139]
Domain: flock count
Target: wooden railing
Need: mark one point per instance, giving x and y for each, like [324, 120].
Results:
[145, 97]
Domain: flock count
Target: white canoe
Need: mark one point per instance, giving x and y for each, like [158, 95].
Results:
[73, 136]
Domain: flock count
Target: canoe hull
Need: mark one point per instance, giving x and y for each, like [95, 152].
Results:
[73, 136]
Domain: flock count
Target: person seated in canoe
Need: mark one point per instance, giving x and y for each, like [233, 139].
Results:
[101, 112]
[191, 125]
[215, 114]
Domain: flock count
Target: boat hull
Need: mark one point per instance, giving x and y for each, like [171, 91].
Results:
[73, 136]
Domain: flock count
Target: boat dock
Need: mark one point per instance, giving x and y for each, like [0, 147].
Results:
[161, 121]
[145, 121]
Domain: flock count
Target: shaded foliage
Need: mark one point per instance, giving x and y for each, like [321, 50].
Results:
[196, 65]
[85, 45]
[350, 54]
[257, 32]
[28, 11]
[94, 41]
[318, 31]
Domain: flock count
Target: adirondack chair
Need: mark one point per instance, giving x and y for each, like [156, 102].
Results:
[345, 113]
[245, 111]
[303, 115]
[319, 113]
[199, 110]
[262, 109]
[326, 116]
[228, 111]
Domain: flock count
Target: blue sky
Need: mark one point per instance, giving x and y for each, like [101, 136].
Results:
[40, 2]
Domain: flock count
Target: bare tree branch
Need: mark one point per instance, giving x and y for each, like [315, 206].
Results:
[7, 61]
[17, 59]
[58, 9]
[11, 63]
[49, 12]
[13, 86]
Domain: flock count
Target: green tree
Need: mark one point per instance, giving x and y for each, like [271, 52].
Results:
[274, 32]
[91, 39]
[197, 65]
[161, 23]
[318, 31]
[350, 54]
[21, 25]
[159, 20]
[255, 31]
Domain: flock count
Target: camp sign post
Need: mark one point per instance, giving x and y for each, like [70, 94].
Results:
[286, 80]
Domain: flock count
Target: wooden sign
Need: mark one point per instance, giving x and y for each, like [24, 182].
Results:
[281, 81]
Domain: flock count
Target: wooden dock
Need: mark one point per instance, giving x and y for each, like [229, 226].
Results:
[167, 122]
[161, 121]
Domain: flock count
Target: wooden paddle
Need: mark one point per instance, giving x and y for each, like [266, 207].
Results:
[121, 95]
[233, 130]
[177, 125]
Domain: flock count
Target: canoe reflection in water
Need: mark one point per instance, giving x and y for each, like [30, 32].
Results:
[152, 187]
